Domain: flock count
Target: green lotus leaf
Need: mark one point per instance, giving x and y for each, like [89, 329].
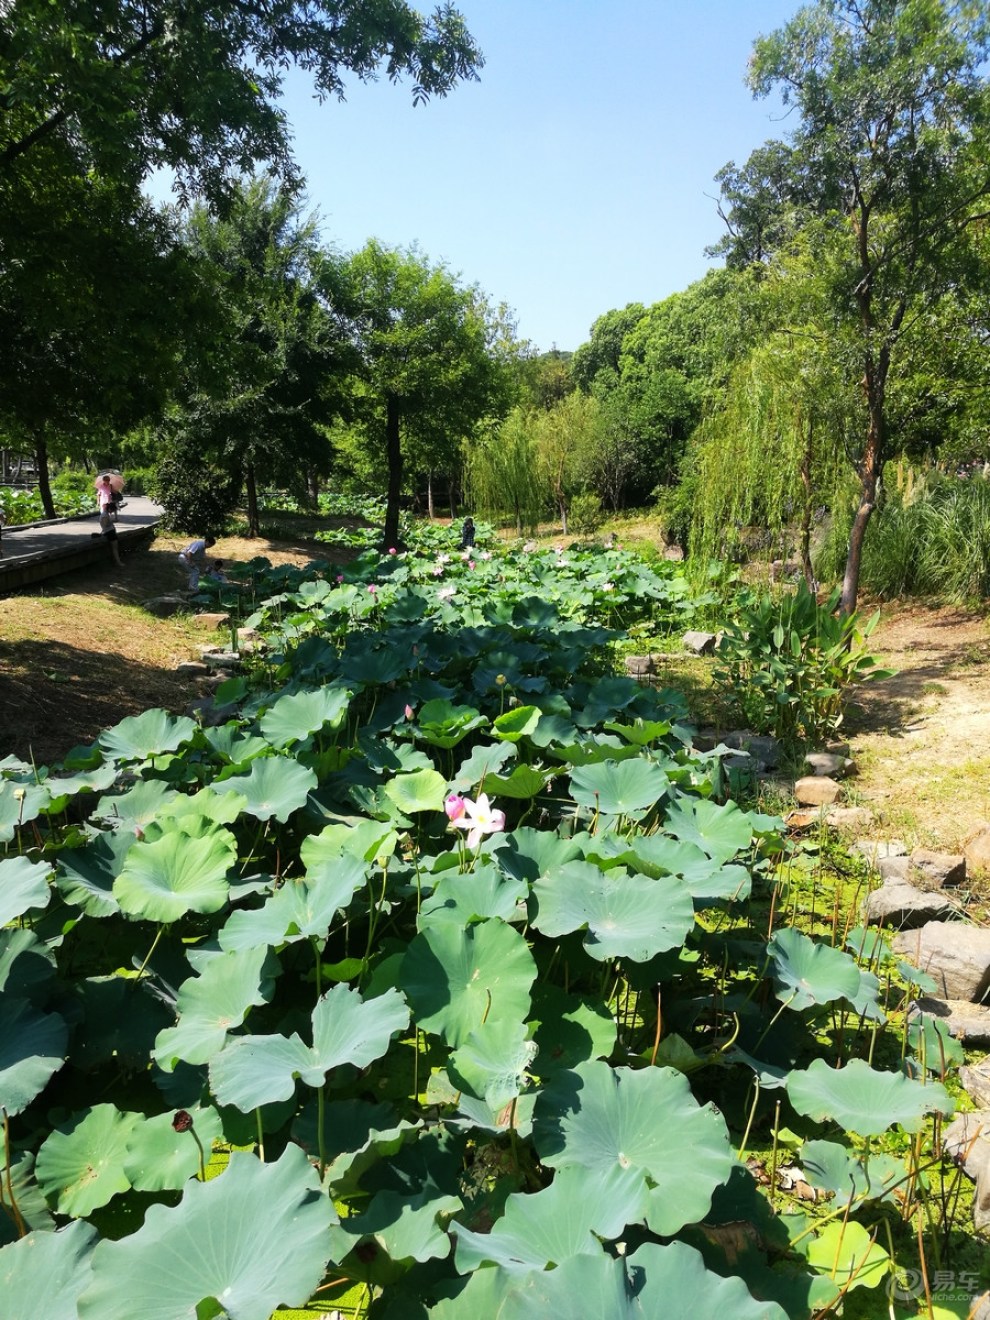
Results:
[85, 876]
[301, 909]
[25, 963]
[294, 717]
[138, 808]
[214, 1003]
[834, 1168]
[456, 979]
[81, 1166]
[404, 1226]
[23, 885]
[141, 736]
[159, 1158]
[720, 831]
[807, 973]
[866, 1001]
[32, 1208]
[485, 759]
[570, 1030]
[483, 892]
[708, 880]
[528, 854]
[864, 1100]
[607, 698]
[642, 732]
[274, 786]
[605, 1121]
[221, 808]
[847, 1254]
[626, 916]
[535, 1230]
[517, 723]
[19, 805]
[932, 1045]
[493, 1063]
[183, 871]
[32, 1049]
[423, 790]
[367, 840]
[629, 788]
[43, 1274]
[524, 782]
[257, 1070]
[233, 745]
[120, 1020]
[443, 724]
[356, 1135]
[64, 787]
[252, 1239]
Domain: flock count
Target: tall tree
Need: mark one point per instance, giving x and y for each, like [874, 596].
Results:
[888, 172]
[428, 369]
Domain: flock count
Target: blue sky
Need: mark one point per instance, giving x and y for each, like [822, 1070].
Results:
[576, 176]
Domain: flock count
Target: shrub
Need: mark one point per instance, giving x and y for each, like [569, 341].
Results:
[585, 514]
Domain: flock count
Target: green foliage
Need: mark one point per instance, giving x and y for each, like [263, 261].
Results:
[586, 514]
[196, 494]
[786, 664]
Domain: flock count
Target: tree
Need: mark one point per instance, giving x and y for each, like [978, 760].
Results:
[428, 367]
[258, 400]
[888, 171]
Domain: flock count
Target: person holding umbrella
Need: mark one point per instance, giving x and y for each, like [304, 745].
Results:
[108, 488]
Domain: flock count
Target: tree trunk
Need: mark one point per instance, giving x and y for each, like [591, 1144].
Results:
[429, 495]
[44, 486]
[251, 490]
[393, 452]
[869, 474]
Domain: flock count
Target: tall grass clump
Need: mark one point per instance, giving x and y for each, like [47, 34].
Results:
[954, 550]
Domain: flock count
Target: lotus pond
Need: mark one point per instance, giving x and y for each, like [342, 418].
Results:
[458, 950]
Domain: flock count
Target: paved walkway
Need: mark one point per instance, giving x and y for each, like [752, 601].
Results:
[21, 543]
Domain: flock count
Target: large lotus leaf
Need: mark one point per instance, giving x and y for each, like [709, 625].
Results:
[607, 698]
[140, 736]
[720, 831]
[257, 1070]
[528, 854]
[642, 732]
[628, 788]
[135, 810]
[648, 1123]
[64, 787]
[865, 1001]
[847, 1254]
[708, 880]
[121, 1018]
[443, 724]
[22, 1190]
[626, 916]
[423, 790]
[524, 782]
[23, 885]
[85, 876]
[42, 1275]
[159, 1158]
[32, 1049]
[294, 717]
[301, 909]
[517, 723]
[252, 1239]
[404, 1226]
[807, 973]
[233, 745]
[834, 1168]
[863, 1100]
[481, 893]
[274, 786]
[81, 1166]
[356, 1135]
[485, 759]
[570, 1030]
[213, 1003]
[367, 840]
[535, 1230]
[456, 979]
[19, 804]
[655, 1283]
[183, 871]
[219, 808]
[932, 1045]
[493, 1062]
[25, 963]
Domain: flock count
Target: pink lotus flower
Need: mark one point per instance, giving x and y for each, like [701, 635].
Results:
[445, 593]
[470, 563]
[340, 577]
[392, 550]
[478, 818]
[485, 554]
[372, 588]
[409, 712]
[454, 806]
[438, 570]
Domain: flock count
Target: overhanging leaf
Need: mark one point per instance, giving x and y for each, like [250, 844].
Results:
[81, 1166]
[864, 1100]
[627, 788]
[183, 871]
[43, 1274]
[23, 885]
[32, 1049]
[140, 736]
[274, 786]
[294, 717]
[808, 973]
[423, 790]
[215, 1002]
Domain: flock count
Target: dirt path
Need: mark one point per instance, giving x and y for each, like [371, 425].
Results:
[921, 739]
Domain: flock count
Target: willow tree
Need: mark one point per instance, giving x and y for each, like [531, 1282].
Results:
[776, 448]
[501, 474]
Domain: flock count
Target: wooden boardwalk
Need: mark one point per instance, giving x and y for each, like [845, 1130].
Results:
[42, 550]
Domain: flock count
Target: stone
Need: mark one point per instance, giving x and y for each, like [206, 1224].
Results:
[957, 956]
[192, 669]
[211, 620]
[967, 1141]
[817, 791]
[903, 907]
[760, 746]
[163, 607]
[220, 659]
[976, 850]
[248, 635]
[638, 666]
[935, 870]
[705, 740]
[701, 643]
[895, 868]
[829, 764]
[873, 851]
[968, 1022]
[975, 1081]
[802, 819]
[673, 553]
[849, 819]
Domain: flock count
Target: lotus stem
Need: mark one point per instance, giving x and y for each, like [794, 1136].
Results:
[320, 1138]
[752, 1115]
[18, 1217]
[261, 1134]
